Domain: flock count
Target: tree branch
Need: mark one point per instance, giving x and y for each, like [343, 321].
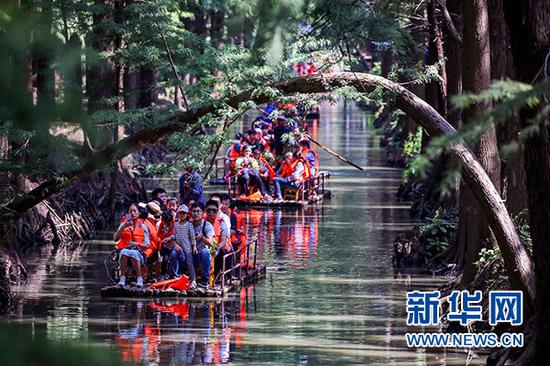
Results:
[516, 259]
[449, 21]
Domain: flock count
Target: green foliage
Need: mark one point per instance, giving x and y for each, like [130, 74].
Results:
[411, 149]
[436, 232]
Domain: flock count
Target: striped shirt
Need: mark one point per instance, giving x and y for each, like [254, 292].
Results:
[184, 235]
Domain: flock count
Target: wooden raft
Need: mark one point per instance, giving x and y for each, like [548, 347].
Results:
[251, 276]
[286, 203]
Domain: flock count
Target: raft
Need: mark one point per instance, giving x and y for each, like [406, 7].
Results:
[286, 203]
[248, 277]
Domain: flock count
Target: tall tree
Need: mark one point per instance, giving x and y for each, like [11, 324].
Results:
[529, 22]
[476, 77]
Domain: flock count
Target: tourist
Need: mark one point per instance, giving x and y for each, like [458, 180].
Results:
[159, 195]
[172, 205]
[279, 131]
[183, 245]
[132, 237]
[221, 234]
[248, 170]
[291, 174]
[252, 138]
[223, 212]
[154, 211]
[204, 236]
[233, 153]
[309, 156]
[190, 186]
[266, 172]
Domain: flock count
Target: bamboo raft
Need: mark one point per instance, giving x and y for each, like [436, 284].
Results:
[251, 273]
[326, 194]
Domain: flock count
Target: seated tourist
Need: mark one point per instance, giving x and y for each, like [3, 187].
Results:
[204, 237]
[221, 234]
[291, 174]
[248, 170]
[183, 245]
[132, 236]
[266, 172]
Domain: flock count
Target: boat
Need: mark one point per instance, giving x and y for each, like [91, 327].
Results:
[250, 272]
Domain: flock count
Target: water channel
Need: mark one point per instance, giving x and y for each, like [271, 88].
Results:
[330, 297]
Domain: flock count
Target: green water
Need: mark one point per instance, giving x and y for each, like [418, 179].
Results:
[330, 297]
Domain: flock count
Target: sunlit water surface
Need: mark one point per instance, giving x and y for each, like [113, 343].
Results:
[330, 297]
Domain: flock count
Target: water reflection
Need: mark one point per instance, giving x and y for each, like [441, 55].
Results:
[184, 331]
[290, 237]
[330, 296]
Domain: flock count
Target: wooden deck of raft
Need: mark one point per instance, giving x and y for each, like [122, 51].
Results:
[251, 276]
[287, 203]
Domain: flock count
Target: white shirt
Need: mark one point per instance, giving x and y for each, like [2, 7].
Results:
[226, 219]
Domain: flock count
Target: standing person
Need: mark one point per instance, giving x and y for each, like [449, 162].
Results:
[279, 130]
[190, 186]
[159, 195]
[204, 236]
[221, 234]
[291, 174]
[309, 156]
[132, 236]
[183, 246]
[154, 211]
[252, 138]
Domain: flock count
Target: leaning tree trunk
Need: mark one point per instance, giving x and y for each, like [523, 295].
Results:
[472, 230]
[516, 259]
[528, 22]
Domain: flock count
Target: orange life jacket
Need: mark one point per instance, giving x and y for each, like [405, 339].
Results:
[233, 155]
[286, 170]
[133, 233]
[292, 167]
[154, 240]
[217, 224]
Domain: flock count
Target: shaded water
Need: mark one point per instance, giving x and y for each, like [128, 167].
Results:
[330, 296]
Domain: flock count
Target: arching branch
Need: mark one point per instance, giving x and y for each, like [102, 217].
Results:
[516, 259]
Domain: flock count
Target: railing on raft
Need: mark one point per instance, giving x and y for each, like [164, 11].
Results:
[238, 264]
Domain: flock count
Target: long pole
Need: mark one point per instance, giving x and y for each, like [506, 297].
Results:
[335, 154]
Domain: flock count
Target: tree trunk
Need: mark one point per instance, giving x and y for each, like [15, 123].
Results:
[517, 262]
[473, 232]
[513, 174]
[528, 22]
[101, 79]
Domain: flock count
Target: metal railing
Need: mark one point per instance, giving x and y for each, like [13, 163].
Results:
[238, 264]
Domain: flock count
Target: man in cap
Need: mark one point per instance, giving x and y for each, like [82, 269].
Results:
[279, 130]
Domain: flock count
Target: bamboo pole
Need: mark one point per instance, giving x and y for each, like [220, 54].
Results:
[335, 154]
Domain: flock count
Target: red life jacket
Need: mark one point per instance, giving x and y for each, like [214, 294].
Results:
[133, 233]
[165, 231]
[292, 167]
[286, 170]
[268, 167]
[233, 155]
